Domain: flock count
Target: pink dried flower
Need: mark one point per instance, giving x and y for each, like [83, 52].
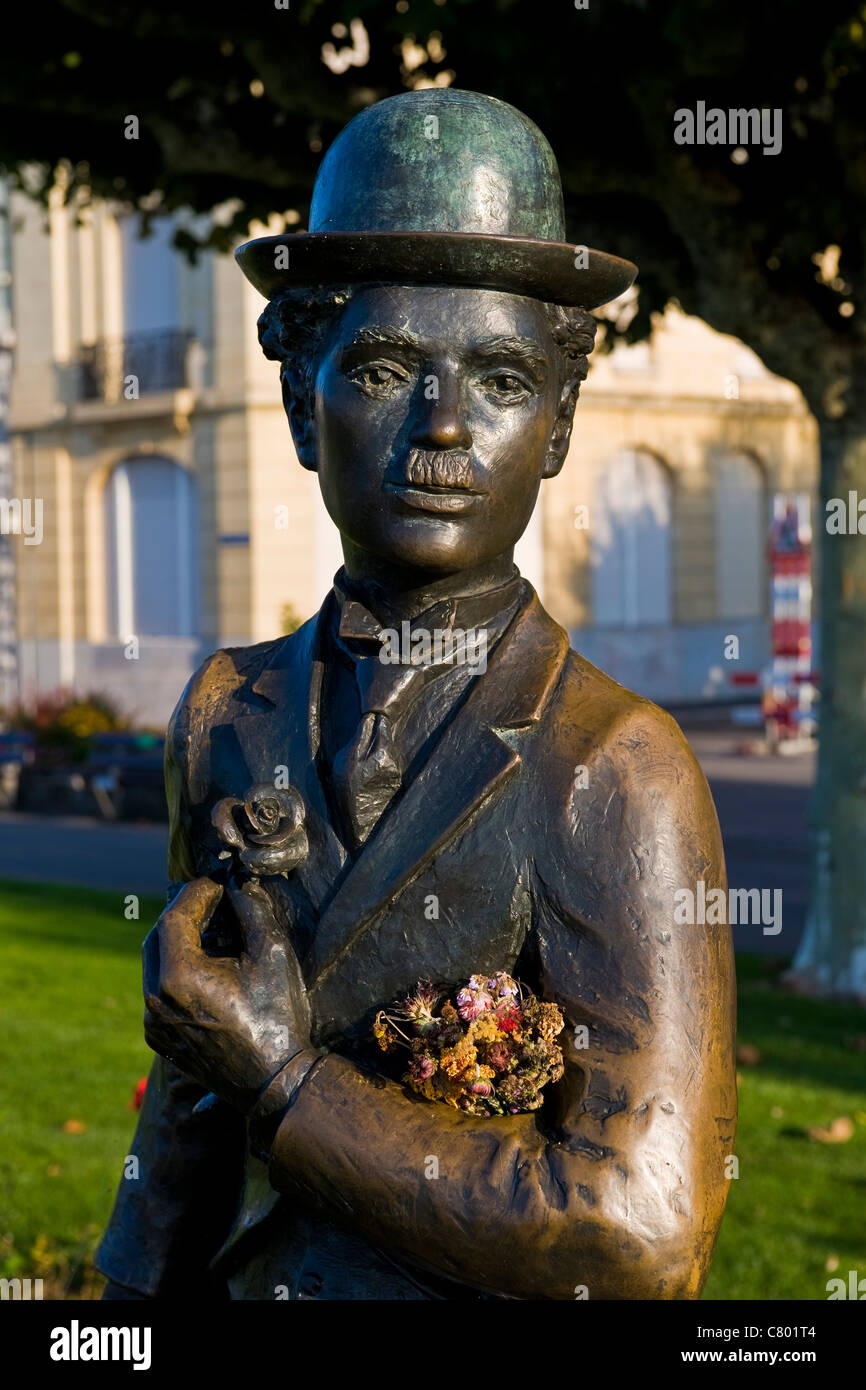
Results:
[473, 1001]
[481, 1088]
[422, 1068]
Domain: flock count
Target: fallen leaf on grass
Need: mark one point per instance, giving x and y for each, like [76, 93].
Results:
[839, 1132]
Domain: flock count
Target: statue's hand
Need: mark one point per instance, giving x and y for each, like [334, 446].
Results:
[229, 1022]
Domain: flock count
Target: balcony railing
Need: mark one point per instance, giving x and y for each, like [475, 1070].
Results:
[135, 364]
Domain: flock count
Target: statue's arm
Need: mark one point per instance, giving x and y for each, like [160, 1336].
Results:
[176, 1201]
[621, 1191]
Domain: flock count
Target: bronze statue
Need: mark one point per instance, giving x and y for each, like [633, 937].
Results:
[343, 826]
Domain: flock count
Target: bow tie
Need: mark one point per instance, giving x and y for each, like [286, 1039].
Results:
[358, 624]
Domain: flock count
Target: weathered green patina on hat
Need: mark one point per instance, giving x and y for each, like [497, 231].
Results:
[439, 186]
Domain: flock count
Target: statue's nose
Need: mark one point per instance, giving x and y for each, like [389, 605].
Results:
[440, 420]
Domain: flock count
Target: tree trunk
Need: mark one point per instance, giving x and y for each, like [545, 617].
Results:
[831, 959]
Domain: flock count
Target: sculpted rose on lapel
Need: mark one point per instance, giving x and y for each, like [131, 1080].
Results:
[264, 829]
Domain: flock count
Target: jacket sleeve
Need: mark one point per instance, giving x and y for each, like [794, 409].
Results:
[618, 1194]
[175, 1203]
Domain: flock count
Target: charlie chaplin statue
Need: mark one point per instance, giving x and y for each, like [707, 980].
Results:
[343, 826]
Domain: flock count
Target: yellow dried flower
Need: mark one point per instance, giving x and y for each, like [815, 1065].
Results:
[456, 1059]
[383, 1033]
[484, 1029]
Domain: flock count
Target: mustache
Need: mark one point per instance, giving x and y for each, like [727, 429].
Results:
[451, 468]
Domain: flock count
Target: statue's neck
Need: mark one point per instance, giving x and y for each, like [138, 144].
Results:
[394, 593]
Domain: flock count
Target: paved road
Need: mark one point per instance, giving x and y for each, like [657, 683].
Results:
[762, 805]
[76, 849]
[763, 808]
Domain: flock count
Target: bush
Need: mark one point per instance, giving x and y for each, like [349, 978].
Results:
[290, 619]
[63, 724]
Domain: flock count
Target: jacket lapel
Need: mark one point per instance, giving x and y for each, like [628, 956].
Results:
[284, 719]
[285, 733]
[475, 755]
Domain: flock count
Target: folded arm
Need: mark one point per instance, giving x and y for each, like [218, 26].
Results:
[624, 1193]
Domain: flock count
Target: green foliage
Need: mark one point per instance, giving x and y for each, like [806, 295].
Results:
[290, 620]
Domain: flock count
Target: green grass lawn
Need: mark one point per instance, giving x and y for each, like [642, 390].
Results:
[797, 1203]
[71, 1050]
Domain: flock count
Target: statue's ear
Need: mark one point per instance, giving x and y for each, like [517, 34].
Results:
[560, 435]
[302, 422]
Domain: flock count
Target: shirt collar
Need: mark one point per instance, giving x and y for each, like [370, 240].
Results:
[356, 622]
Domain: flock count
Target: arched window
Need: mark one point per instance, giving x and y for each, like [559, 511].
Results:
[630, 540]
[150, 534]
[741, 537]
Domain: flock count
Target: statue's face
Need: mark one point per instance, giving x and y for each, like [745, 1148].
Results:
[437, 412]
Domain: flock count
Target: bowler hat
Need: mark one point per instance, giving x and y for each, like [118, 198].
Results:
[445, 187]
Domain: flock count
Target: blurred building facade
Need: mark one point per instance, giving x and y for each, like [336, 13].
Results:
[679, 445]
[176, 518]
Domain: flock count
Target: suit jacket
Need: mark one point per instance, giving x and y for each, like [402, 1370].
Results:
[546, 834]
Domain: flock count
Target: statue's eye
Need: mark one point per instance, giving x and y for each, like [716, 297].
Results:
[505, 385]
[375, 376]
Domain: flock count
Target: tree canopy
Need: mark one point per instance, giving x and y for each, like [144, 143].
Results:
[235, 105]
